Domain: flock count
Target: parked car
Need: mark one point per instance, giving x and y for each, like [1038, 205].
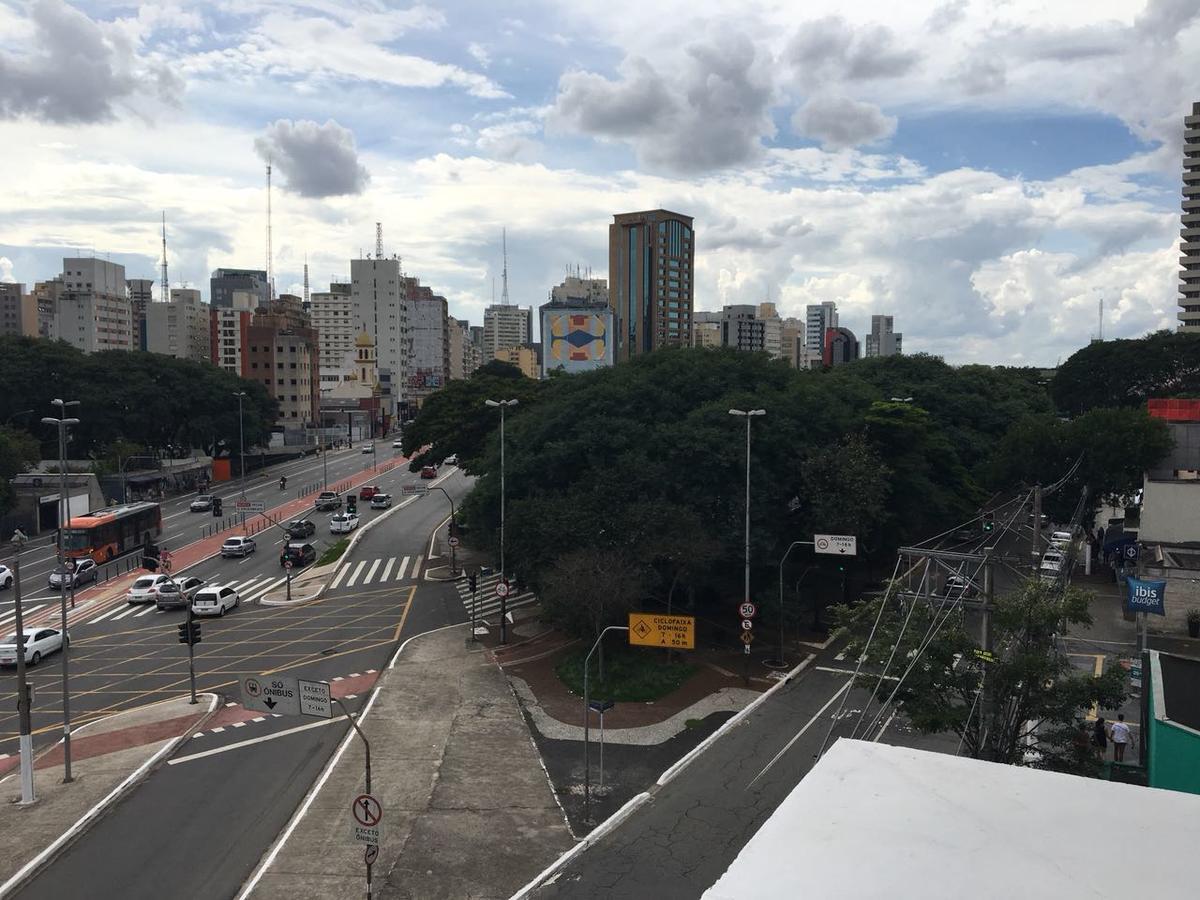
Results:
[214, 601]
[1064, 537]
[397, 445]
[202, 503]
[381, 501]
[367, 491]
[367, 448]
[38, 643]
[298, 553]
[429, 472]
[343, 523]
[78, 572]
[238, 546]
[6, 577]
[1049, 571]
[300, 528]
[1054, 557]
[179, 593]
[958, 586]
[145, 589]
[451, 460]
[329, 500]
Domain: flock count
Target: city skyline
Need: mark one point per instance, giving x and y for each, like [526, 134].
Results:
[874, 158]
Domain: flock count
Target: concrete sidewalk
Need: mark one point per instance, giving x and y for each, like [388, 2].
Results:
[108, 758]
[467, 807]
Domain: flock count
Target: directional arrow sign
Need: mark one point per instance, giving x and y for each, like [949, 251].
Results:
[277, 694]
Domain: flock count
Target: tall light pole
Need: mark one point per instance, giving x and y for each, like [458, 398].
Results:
[748, 415]
[23, 711]
[62, 423]
[241, 395]
[503, 404]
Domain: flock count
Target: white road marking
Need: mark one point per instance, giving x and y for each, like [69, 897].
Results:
[416, 572]
[357, 571]
[403, 568]
[103, 616]
[218, 729]
[340, 575]
[251, 741]
[10, 618]
[148, 609]
[371, 571]
[239, 724]
[131, 609]
[259, 719]
[387, 570]
[263, 589]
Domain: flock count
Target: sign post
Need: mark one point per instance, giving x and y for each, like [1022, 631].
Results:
[365, 807]
[287, 567]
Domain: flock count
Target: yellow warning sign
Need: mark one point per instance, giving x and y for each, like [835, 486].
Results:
[651, 630]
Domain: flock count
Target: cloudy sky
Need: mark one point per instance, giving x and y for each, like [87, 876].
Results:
[984, 170]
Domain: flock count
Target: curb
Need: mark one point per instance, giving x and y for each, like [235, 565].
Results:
[636, 802]
[358, 535]
[72, 834]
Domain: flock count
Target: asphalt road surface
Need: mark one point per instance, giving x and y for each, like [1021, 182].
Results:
[199, 824]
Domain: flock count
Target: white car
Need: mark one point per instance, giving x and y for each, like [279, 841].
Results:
[368, 448]
[202, 503]
[343, 523]
[381, 501]
[1053, 557]
[214, 601]
[6, 578]
[38, 644]
[451, 460]
[84, 570]
[145, 589]
[397, 445]
[238, 546]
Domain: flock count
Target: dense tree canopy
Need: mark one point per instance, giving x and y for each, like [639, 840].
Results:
[149, 399]
[18, 452]
[1128, 372]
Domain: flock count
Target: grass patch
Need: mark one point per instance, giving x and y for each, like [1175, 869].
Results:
[334, 553]
[693, 723]
[629, 676]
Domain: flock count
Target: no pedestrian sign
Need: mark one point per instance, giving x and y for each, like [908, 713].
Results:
[650, 630]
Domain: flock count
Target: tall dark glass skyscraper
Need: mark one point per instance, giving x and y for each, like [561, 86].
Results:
[650, 261]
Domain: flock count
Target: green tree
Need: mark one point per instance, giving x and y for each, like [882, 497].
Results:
[587, 589]
[18, 453]
[1128, 372]
[1027, 698]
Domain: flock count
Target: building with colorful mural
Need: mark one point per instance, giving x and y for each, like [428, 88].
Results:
[576, 337]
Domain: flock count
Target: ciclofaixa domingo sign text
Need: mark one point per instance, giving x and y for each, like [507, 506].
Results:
[1146, 596]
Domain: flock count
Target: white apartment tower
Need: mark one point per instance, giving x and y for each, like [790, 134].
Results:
[332, 317]
[1189, 275]
[181, 327]
[93, 311]
[505, 326]
[819, 318]
[378, 306]
[772, 329]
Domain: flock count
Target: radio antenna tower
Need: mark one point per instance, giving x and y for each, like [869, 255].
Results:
[379, 240]
[270, 274]
[165, 295]
[504, 275]
[1100, 332]
[306, 281]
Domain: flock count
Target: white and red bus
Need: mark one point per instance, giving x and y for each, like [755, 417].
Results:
[107, 533]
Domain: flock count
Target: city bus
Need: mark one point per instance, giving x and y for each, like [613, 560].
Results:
[107, 533]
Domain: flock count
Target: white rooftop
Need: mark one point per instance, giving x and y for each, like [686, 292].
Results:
[871, 821]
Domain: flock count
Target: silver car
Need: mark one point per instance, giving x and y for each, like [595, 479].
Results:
[238, 546]
[178, 594]
[73, 575]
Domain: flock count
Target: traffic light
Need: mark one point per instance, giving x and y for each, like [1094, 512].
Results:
[989, 521]
[471, 580]
[352, 504]
[189, 632]
[216, 507]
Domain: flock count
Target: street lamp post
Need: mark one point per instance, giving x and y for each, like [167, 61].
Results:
[503, 404]
[748, 415]
[781, 662]
[62, 423]
[241, 395]
[23, 711]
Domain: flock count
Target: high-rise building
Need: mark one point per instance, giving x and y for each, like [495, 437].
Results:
[429, 359]
[841, 346]
[379, 306]
[883, 340]
[458, 334]
[18, 310]
[651, 256]
[224, 282]
[181, 327]
[818, 319]
[284, 354]
[141, 295]
[1189, 276]
[575, 289]
[331, 317]
[46, 295]
[772, 329]
[506, 326]
[93, 312]
[577, 335]
[741, 328]
[230, 333]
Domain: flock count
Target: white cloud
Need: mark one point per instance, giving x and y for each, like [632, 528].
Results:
[840, 122]
[480, 53]
[317, 160]
[6, 269]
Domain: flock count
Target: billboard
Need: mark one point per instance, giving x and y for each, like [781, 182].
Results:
[576, 339]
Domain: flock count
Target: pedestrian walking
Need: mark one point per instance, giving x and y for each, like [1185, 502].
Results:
[1120, 737]
[1100, 738]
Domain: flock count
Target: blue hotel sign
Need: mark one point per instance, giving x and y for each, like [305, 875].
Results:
[1146, 596]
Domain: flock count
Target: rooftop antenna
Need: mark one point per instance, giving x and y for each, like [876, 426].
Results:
[270, 275]
[379, 240]
[493, 290]
[504, 245]
[165, 295]
[1100, 331]
[306, 301]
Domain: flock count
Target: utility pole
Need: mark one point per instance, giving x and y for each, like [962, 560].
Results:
[985, 699]
[503, 404]
[62, 423]
[1037, 525]
[241, 395]
[23, 697]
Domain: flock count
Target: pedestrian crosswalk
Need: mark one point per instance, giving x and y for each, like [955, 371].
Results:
[362, 572]
[8, 619]
[486, 601]
[248, 591]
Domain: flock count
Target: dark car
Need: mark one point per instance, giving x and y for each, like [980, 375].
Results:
[300, 528]
[429, 472]
[328, 500]
[298, 554]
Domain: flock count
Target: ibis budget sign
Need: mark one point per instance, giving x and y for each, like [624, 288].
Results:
[1146, 596]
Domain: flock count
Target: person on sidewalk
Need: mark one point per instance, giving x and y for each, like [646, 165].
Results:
[1120, 737]
[1100, 738]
